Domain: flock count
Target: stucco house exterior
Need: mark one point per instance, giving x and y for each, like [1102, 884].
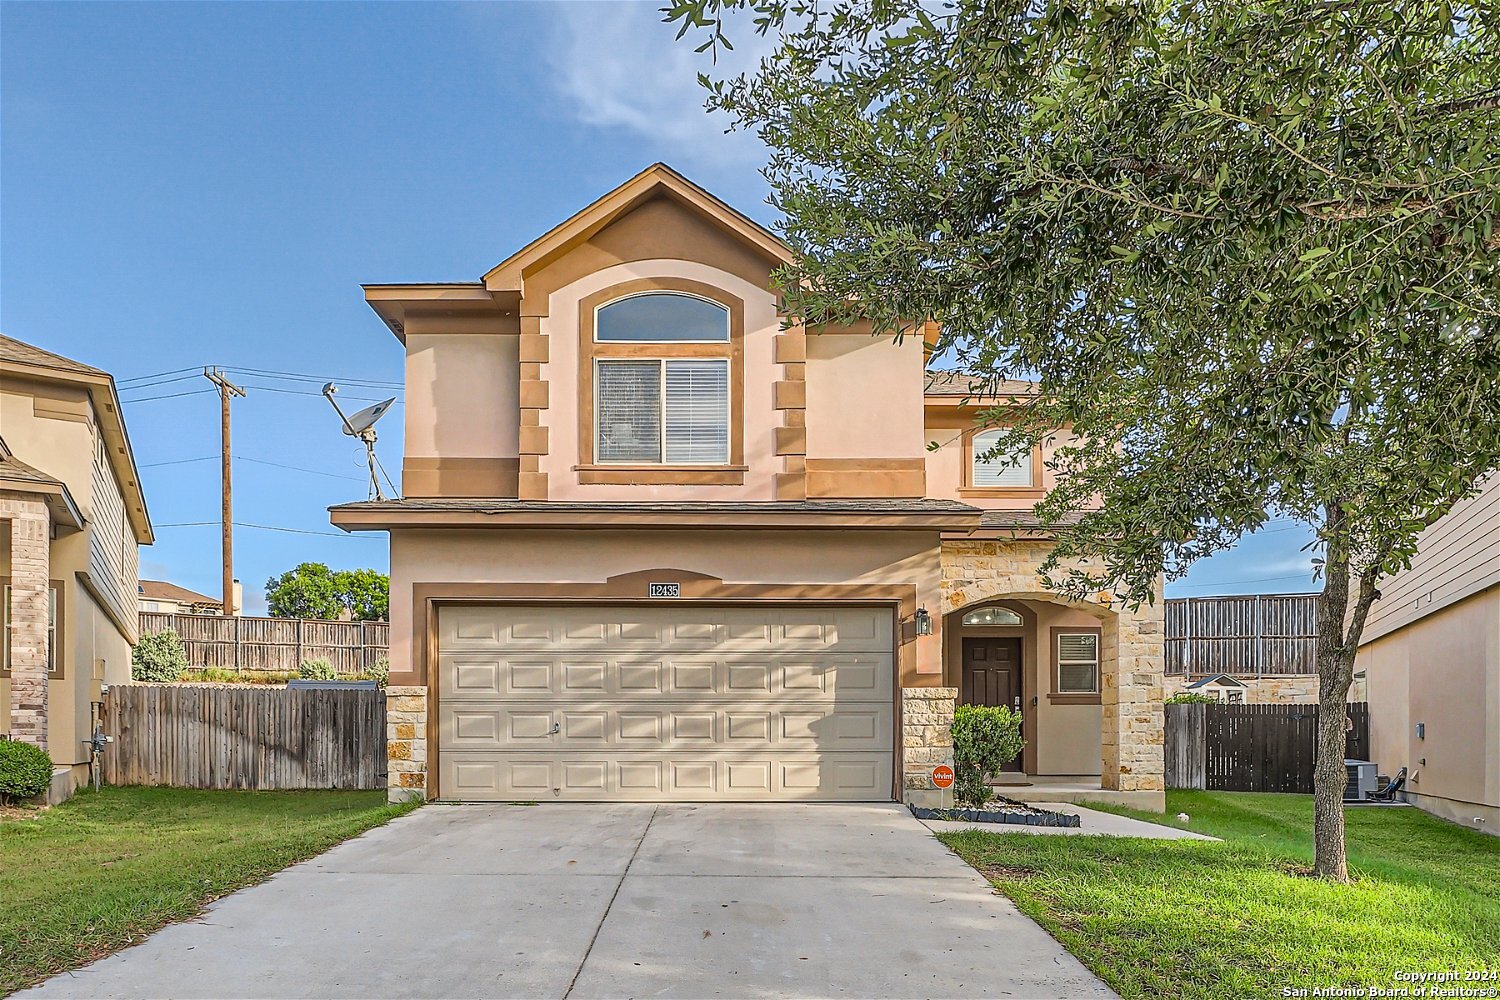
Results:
[1431, 658]
[72, 518]
[656, 543]
[164, 598]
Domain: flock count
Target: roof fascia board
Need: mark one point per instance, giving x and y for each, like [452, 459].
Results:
[111, 420]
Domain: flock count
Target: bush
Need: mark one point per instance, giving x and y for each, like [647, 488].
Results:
[379, 672]
[985, 739]
[25, 770]
[317, 669]
[158, 658]
[1190, 698]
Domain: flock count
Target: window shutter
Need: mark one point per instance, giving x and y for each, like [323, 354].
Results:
[999, 472]
[628, 411]
[697, 412]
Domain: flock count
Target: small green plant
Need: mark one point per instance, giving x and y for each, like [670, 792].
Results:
[25, 770]
[1190, 698]
[158, 658]
[379, 672]
[317, 669]
[985, 739]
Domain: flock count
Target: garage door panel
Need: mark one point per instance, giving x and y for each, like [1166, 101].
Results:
[858, 677]
[499, 726]
[684, 777]
[747, 629]
[673, 701]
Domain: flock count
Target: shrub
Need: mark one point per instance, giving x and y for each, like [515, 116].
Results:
[1190, 698]
[985, 739]
[379, 672]
[158, 658]
[317, 669]
[25, 770]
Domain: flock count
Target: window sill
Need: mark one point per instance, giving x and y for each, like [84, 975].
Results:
[1073, 698]
[1027, 492]
[661, 475]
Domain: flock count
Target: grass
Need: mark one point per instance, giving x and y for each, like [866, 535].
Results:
[1243, 918]
[102, 871]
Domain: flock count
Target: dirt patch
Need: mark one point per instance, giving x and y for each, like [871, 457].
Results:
[1005, 873]
[9, 814]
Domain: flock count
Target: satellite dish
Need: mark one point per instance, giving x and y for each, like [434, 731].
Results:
[365, 419]
[362, 425]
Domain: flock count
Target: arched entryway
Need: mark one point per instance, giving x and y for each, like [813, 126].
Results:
[1043, 656]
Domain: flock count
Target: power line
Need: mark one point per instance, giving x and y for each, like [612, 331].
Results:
[1231, 583]
[302, 392]
[142, 378]
[180, 461]
[294, 468]
[175, 395]
[264, 527]
[156, 382]
[307, 377]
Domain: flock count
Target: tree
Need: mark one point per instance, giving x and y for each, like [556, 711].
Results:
[1247, 252]
[312, 590]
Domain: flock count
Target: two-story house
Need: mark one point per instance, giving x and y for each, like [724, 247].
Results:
[72, 518]
[657, 542]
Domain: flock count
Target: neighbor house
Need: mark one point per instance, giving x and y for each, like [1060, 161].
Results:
[656, 542]
[1431, 656]
[163, 598]
[71, 519]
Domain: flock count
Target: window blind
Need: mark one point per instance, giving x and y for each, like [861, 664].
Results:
[1077, 662]
[628, 411]
[1000, 471]
[697, 412]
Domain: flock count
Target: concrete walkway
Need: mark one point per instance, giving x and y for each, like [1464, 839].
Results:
[1094, 824]
[610, 901]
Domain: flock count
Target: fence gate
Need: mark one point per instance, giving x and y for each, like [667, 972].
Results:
[1251, 748]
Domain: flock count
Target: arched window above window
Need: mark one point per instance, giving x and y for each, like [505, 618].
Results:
[991, 616]
[662, 317]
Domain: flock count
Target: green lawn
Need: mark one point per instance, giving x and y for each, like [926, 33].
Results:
[1242, 918]
[103, 870]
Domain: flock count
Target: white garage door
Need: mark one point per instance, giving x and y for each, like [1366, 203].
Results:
[678, 702]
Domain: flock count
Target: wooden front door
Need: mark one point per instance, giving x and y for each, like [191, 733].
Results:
[992, 676]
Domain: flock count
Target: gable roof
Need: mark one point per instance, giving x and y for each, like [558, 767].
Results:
[29, 361]
[1224, 679]
[12, 349]
[161, 590]
[655, 179]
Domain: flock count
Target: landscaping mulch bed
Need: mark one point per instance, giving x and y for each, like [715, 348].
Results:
[1001, 810]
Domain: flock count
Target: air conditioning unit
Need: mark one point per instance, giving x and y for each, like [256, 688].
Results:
[1362, 780]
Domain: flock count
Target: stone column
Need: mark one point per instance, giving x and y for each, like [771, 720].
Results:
[926, 741]
[1131, 691]
[30, 573]
[406, 742]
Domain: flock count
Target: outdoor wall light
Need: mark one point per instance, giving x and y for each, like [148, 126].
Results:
[924, 622]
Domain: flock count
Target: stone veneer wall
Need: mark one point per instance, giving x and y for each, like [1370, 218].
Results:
[1301, 689]
[30, 573]
[1130, 654]
[406, 742]
[926, 741]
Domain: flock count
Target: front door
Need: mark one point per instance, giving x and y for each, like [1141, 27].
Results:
[992, 676]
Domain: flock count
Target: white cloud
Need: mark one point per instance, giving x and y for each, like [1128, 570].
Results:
[617, 65]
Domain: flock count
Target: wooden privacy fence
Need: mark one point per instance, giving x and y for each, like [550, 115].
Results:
[276, 644]
[231, 736]
[1251, 748]
[1245, 636]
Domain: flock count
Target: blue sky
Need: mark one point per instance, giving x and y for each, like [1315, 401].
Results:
[208, 184]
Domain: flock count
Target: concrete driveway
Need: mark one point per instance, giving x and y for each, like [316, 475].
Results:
[610, 901]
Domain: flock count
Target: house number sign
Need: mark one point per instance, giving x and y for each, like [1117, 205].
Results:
[664, 590]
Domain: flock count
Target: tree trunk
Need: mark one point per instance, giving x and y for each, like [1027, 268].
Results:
[1339, 631]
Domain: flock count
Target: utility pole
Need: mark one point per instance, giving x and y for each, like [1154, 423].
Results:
[227, 389]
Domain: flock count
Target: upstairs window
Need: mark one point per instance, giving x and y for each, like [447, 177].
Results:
[663, 410]
[662, 318]
[996, 471]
